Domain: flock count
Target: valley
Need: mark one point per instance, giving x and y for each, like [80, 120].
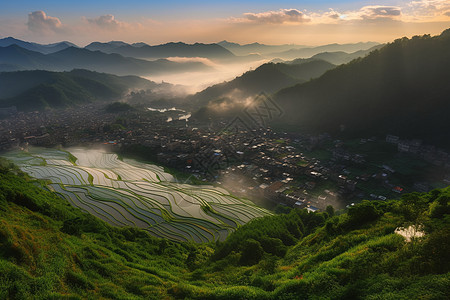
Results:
[235, 150]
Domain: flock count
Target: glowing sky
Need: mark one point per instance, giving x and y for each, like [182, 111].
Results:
[271, 22]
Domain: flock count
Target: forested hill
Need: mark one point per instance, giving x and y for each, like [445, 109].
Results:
[402, 88]
[36, 90]
[50, 250]
[268, 78]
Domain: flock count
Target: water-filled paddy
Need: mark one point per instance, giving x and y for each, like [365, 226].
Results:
[131, 193]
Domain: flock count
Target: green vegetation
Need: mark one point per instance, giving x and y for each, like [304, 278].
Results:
[49, 249]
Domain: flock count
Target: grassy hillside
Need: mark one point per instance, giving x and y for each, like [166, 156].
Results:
[50, 250]
[401, 88]
[36, 90]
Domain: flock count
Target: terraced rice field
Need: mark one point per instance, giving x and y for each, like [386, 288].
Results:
[130, 193]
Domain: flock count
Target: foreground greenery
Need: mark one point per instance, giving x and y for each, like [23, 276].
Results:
[49, 249]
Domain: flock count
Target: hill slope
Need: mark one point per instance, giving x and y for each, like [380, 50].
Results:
[31, 90]
[50, 250]
[401, 88]
[267, 78]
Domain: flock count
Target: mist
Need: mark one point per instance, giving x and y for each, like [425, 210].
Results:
[194, 82]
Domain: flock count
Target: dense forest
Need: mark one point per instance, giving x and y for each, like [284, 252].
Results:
[401, 88]
[50, 250]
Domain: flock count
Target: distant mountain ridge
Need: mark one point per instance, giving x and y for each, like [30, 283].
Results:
[292, 51]
[339, 57]
[261, 49]
[142, 50]
[44, 49]
[311, 51]
[79, 58]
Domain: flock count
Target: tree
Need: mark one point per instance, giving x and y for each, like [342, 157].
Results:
[252, 252]
[330, 211]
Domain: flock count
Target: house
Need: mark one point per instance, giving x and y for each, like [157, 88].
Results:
[397, 189]
[403, 146]
[311, 208]
[392, 139]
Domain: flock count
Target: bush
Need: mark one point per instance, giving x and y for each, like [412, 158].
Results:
[362, 213]
[274, 246]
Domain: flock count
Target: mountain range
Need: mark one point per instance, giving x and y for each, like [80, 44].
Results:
[45, 49]
[223, 51]
[339, 57]
[136, 50]
[37, 90]
[400, 88]
[258, 48]
[14, 57]
[142, 50]
[310, 51]
[290, 52]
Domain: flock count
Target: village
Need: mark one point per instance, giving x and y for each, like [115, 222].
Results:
[267, 166]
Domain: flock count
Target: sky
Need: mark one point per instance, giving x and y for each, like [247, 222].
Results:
[271, 22]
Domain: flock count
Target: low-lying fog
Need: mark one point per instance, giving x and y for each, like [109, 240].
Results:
[197, 81]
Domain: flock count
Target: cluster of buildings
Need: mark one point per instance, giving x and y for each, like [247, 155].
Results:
[429, 153]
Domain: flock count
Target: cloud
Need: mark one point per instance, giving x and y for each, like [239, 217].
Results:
[427, 9]
[409, 11]
[373, 12]
[107, 22]
[203, 60]
[277, 17]
[295, 16]
[39, 22]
